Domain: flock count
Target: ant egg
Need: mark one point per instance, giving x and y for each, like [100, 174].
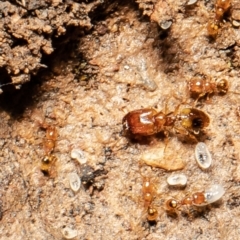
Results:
[69, 233]
[75, 181]
[214, 193]
[78, 155]
[177, 180]
[203, 156]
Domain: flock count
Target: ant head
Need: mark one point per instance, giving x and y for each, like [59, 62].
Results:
[222, 86]
[194, 119]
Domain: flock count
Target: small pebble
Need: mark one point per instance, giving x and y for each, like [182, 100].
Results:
[78, 155]
[177, 180]
[69, 233]
[75, 181]
[203, 156]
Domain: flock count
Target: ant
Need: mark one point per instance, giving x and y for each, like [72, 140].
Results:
[50, 140]
[172, 206]
[147, 121]
[197, 199]
[200, 88]
[221, 7]
[149, 193]
[48, 145]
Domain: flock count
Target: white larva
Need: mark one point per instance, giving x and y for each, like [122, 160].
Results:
[69, 233]
[166, 24]
[203, 156]
[212, 194]
[78, 155]
[191, 2]
[177, 180]
[75, 181]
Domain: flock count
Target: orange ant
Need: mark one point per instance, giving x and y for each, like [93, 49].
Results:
[197, 199]
[200, 88]
[50, 140]
[221, 7]
[172, 205]
[149, 193]
[147, 121]
[48, 146]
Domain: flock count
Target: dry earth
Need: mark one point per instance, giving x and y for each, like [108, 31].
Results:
[115, 61]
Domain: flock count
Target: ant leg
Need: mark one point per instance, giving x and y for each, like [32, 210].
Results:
[196, 101]
[177, 108]
[181, 131]
[198, 98]
[192, 137]
[188, 212]
[166, 106]
[234, 92]
[186, 133]
[173, 214]
[208, 100]
[166, 140]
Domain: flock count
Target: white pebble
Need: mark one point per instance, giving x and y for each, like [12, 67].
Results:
[69, 233]
[78, 155]
[177, 180]
[203, 156]
[75, 181]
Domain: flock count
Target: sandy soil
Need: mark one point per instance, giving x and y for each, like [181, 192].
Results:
[100, 69]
